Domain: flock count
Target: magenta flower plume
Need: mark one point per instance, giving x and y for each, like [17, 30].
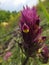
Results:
[31, 30]
[32, 20]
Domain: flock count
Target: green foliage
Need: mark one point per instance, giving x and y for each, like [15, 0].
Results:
[4, 15]
[44, 10]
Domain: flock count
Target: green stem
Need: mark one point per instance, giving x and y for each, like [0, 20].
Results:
[44, 10]
[35, 61]
[25, 61]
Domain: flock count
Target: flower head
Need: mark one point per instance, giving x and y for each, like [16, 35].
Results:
[31, 31]
[29, 23]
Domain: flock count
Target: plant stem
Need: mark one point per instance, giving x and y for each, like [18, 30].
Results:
[25, 61]
[35, 61]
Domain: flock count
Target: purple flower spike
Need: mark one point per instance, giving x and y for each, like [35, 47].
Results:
[31, 31]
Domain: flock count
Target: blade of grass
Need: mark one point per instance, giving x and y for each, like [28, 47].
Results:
[44, 10]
